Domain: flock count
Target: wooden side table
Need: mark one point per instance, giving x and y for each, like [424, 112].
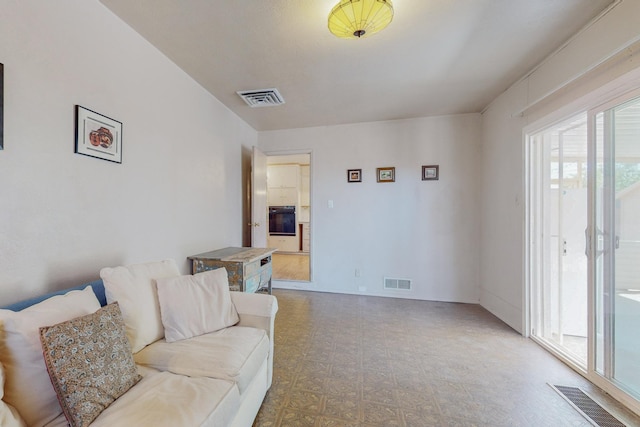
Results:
[249, 269]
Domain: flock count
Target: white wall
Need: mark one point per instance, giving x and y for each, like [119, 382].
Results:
[427, 231]
[63, 216]
[559, 86]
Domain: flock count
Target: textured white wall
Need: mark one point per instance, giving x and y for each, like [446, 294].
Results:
[63, 216]
[427, 231]
[502, 175]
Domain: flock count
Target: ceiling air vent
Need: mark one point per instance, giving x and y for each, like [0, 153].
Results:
[393, 283]
[262, 97]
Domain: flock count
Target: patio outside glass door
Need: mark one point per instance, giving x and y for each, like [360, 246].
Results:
[616, 244]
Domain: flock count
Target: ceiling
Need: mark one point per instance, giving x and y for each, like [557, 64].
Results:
[436, 57]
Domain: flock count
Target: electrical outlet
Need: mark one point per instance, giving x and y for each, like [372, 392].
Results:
[362, 289]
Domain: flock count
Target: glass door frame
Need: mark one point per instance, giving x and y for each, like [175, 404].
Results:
[535, 200]
[592, 106]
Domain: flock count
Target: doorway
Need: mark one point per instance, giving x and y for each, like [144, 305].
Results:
[289, 203]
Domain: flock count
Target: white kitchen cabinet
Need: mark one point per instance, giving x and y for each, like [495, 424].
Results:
[282, 185]
[283, 243]
[304, 185]
[306, 237]
[283, 176]
[282, 196]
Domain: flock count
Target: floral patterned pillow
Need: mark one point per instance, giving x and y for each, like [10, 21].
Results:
[90, 363]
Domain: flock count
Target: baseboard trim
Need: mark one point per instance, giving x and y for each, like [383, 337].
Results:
[503, 310]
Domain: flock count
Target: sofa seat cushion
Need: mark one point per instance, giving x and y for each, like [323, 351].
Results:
[163, 399]
[233, 354]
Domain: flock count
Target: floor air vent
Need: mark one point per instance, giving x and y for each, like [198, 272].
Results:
[262, 97]
[402, 284]
[594, 413]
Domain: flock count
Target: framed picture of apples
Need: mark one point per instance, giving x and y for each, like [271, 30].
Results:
[98, 135]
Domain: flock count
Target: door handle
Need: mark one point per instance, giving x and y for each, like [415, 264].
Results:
[597, 244]
[587, 242]
[255, 224]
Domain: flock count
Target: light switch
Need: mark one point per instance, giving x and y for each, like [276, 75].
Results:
[330, 204]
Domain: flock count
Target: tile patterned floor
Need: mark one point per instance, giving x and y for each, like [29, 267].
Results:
[356, 361]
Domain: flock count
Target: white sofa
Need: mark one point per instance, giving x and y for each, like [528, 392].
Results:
[217, 378]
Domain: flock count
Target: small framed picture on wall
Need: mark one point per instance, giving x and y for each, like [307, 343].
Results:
[354, 175]
[98, 135]
[430, 173]
[387, 174]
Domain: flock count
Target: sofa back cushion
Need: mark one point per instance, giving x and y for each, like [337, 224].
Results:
[28, 388]
[195, 305]
[96, 285]
[134, 288]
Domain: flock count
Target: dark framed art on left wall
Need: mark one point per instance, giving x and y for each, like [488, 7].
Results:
[1, 106]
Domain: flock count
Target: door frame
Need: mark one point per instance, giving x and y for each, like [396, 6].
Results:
[532, 195]
[258, 222]
[294, 284]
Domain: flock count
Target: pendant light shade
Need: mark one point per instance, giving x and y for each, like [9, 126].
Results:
[354, 19]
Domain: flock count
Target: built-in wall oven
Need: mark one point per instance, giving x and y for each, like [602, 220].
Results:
[282, 220]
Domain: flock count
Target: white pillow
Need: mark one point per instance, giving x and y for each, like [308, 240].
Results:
[134, 288]
[28, 387]
[9, 417]
[195, 305]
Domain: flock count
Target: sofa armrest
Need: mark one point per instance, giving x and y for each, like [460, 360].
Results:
[255, 310]
[258, 311]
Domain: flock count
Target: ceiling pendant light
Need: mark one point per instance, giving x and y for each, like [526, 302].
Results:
[354, 19]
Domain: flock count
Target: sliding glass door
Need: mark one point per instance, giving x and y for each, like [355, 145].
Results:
[583, 236]
[616, 244]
